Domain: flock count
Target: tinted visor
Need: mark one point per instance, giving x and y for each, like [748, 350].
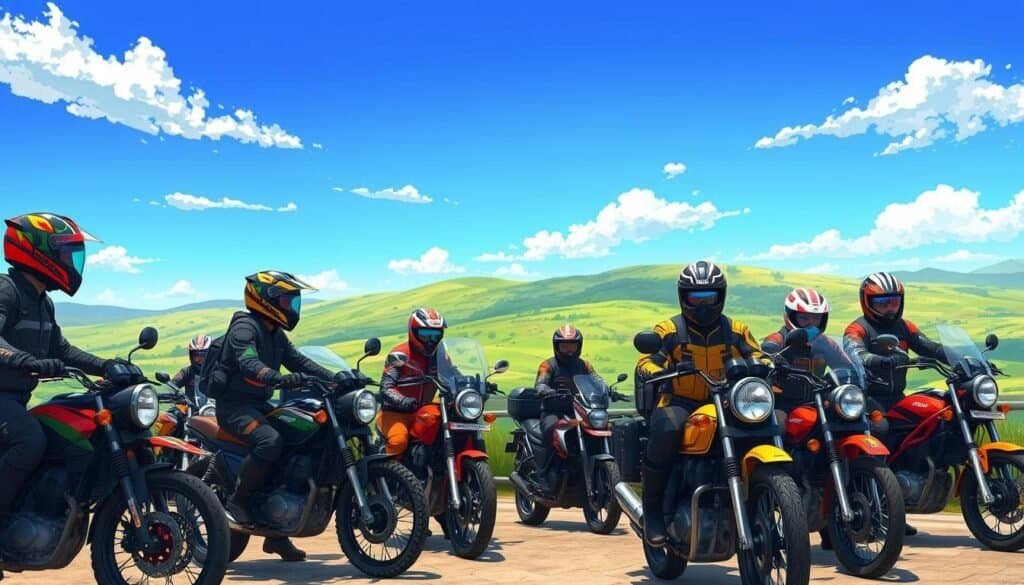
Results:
[197, 357]
[808, 320]
[702, 297]
[568, 347]
[72, 256]
[290, 302]
[886, 303]
[429, 336]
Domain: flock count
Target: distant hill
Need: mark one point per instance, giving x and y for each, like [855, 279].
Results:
[1015, 266]
[981, 279]
[71, 314]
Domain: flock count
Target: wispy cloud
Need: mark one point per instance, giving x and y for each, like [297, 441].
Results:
[116, 259]
[187, 202]
[936, 99]
[327, 282]
[673, 169]
[51, 62]
[826, 268]
[406, 194]
[941, 215]
[109, 297]
[635, 216]
[966, 256]
[180, 289]
[433, 261]
[515, 270]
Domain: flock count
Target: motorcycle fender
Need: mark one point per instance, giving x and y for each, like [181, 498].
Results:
[861, 446]
[983, 451]
[472, 454]
[364, 465]
[762, 455]
[176, 444]
[596, 432]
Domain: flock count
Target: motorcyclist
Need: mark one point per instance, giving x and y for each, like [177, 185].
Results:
[700, 336]
[188, 377]
[417, 358]
[255, 347]
[46, 252]
[882, 302]
[808, 309]
[557, 373]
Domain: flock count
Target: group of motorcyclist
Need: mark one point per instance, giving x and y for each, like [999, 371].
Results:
[47, 252]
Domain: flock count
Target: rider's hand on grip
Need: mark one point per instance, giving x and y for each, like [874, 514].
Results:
[348, 381]
[289, 381]
[408, 404]
[46, 368]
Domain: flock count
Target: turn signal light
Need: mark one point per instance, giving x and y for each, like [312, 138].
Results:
[946, 415]
[876, 416]
[701, 421]
[320, 417]
[1003, 408]
[102, 418]
[490, 417]
[814, 445]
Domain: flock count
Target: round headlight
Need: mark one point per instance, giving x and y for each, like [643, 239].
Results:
[985, 391]
[469, 404]
[208, 409]
[598, 418]
[145, 406]
[849, 401]
[751, 400]
[364, 407]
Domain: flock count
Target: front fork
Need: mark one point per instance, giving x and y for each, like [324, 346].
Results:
[588, 465]
[732, 471]
[834, 462]
[349, 461]
[119, 460]
[449, 458]
[972, 447]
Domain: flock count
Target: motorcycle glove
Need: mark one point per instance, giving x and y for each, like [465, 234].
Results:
[46, 368]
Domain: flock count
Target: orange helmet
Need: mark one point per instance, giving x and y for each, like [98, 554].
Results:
[881, 297]
[48, 246]
[568, 343]
[426, 330]
[275, 295]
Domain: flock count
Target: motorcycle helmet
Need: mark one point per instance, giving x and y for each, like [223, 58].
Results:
[276, 296]
[198, 347]
[806, 308]
[568, 344]
[702, 288]
[881, 297]
[48, 246]
[426, 330]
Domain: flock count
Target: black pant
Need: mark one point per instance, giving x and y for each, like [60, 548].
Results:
[22, 442]
[550, 415]
[247, 421]
[666, 431]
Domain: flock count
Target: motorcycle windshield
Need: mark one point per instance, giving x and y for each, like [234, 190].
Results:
[961, 351]
[461, 364]
[593, 391]
[325, 357]
[843, 364]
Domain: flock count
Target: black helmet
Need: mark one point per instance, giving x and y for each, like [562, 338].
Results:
[568, 344]
[702, 292]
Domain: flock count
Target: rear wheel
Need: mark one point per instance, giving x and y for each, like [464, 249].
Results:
[871, 543]
[472, 524]
[601, 509]
[781, 550]
[663, 562]
[999, 525]
[530, 512]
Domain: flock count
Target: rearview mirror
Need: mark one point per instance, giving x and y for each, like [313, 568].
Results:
[888, 342]
[647, 342]
[372, 346]
[621, 378]
[500, 366]
[397, 359]
[148, 338]
[991, 341]
[796, 338]
[163, 377]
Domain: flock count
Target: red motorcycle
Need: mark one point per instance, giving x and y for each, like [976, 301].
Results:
[933, 433]
[446, 448]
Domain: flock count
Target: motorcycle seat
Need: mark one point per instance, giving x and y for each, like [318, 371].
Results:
[532, 427]
[209, 429]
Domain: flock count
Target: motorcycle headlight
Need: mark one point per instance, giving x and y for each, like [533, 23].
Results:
[598, 418]
[208, 409]
[751, 400]
[469, 404]
[144, 406]
[364, 407]
[985, 391]
[849, 401]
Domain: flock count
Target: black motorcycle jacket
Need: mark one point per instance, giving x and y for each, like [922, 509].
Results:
[554, 375]
[862, 334]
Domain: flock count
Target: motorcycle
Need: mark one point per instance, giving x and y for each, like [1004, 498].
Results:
[848, 490]
[329, 468]
[446, 452]
[733, 496]
[584, 472]
[146, 517]
[173, 421]
[932, 430]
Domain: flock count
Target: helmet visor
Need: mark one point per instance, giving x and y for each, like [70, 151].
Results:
[291, 301]
[702, 297]
[808, 320]
[886, 304]
[197, 357]
[429, 336]
[72, 256]
[568, 347]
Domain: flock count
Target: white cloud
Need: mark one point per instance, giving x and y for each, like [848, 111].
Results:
[50, 62]
[179, 289]
[108, 297]
[849, 100]
[937, 99]
[941, 215]
[695, 192]
[156, 204]
[328, 282]
[338, 189]
[407, 194]
[515, 270]
[433, 261]
[318, 146]
[826, 268]
[1009, 66]
[966, 256]
[116, 259]
[187, 202]
[636, 216]
[135, 200]
[673, 169]
[912, 262]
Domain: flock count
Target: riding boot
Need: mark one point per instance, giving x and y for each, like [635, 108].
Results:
[251, 477]
[909, 530]
[654, 480]
[283, 547]
[826, 542]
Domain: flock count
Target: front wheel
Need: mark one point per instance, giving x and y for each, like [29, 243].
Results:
[472, 524]
[182, 512]
[663, 562]
[781, 550]
[394, 540]
[871, 543]
[601, 509]
[999, 525]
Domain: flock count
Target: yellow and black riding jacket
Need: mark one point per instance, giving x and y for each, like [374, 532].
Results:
[680, 342]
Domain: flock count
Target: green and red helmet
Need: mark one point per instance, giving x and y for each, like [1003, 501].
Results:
[48, 246]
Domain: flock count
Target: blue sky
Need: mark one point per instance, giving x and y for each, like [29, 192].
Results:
[517, 122]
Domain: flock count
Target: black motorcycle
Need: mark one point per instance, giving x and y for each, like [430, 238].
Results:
[581, 471]
[148, 519]
[329, 469]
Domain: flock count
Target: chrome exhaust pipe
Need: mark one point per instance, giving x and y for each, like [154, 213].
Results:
[520, 484]
[630, 503]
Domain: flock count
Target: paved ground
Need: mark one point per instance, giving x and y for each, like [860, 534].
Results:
[944, 552]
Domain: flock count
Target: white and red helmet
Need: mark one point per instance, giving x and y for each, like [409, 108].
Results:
[198, 347]
[426, 329]
[807, 301]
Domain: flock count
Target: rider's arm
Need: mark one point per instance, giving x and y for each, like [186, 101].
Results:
[544, 375]
[183, 377]
[745, 345]
[9, 355]
[74, 357]
[651, 365]
[298, 363]
[240, 342]
[773, 343]
[921, 345]
[855, 336]
[392, 398]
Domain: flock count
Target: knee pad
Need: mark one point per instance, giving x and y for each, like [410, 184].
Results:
[398, 441]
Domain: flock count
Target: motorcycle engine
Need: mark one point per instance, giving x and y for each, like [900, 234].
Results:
[46, 494]
[283, 509]
[298, 471]
[912, 484]
[30, 537]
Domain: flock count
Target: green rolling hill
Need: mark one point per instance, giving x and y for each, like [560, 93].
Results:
[514, 320]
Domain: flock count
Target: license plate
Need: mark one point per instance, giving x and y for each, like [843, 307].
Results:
[457, 426]
[987, 415]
